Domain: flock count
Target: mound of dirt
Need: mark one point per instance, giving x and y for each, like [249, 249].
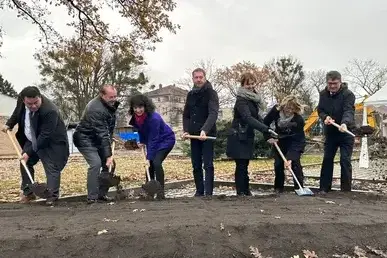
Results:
[281, 226]
[378, 148]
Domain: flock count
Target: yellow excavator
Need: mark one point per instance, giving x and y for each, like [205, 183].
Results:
[312, 120]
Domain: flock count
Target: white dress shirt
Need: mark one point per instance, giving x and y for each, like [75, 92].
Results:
[27, 125]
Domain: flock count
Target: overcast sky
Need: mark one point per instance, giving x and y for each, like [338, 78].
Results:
[321, 33]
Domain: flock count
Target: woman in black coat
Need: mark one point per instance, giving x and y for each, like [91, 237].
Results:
[240, 142]
[289, 124]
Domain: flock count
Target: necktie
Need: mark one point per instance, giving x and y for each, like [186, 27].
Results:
[33, 135]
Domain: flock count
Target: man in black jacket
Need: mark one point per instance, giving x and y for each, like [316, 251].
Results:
[42, 136]
[199, 118]
[93, 137]
[337, 104]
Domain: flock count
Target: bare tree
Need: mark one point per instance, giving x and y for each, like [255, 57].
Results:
[316, 79]
[229, 78]
[209, 66]
[366, 76]
[147, 18]
[286, 76]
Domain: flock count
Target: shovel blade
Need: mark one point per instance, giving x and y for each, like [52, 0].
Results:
[152, 187]
[41, 190]
[304, 192]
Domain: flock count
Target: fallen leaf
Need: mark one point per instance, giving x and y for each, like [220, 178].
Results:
[342, 256]
[102, 232]
[360, 252]
[378, 252]
[255, 252]
[142, 210]
[309, 254]
[110, 220]
[135, 210]
[221, 226]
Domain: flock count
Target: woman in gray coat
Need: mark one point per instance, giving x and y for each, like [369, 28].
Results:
[240, 142]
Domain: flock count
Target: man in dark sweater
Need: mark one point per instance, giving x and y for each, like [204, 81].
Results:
[337, 104]
[42, 136]
[93, 137]
[199, 118]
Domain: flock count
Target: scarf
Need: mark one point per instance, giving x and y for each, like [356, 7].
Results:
[284, 121]
[140, 119]
[250, 95]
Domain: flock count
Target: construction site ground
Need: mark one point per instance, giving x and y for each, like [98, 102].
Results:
[275, 226]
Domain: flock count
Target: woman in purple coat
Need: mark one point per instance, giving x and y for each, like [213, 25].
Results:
[155, 134]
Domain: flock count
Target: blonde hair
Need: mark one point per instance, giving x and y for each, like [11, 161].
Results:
[292, 102]
[248, 78]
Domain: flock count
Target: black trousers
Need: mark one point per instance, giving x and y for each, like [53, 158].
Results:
[51, 169]
[279, 168]
[242, 176]
[332, 143]
[156, 166]
[202, 153]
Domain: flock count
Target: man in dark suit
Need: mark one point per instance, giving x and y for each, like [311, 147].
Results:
[42, 136]
[337, 104]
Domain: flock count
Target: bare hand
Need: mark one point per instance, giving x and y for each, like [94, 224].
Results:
[202, 136]
[328, 120]
[272, 141]
[109, 161]
[343, 128]
[25, 157]
[5, 129]
[140, 145]
[184, 135]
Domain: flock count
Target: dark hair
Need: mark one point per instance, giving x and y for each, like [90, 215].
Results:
[247, 77]
[141, 100]
[199, 70]
[333, 75]
[30, 92]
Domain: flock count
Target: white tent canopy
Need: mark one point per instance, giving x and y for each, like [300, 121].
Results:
[378, 101]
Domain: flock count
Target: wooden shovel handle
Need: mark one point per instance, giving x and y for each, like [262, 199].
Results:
[198, 137]
[338, 126]
[145, 163]
[113, 149]
[15, 146]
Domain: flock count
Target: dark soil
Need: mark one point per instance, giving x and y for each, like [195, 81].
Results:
[191, 227]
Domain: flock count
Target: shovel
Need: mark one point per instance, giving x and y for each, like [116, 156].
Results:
[301, 191]
[110, 179]
[39, 189]
[151, 187]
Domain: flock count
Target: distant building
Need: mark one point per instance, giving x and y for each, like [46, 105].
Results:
[169, 101]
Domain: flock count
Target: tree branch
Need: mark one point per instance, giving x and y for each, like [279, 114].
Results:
[80, 11]
[34, 20]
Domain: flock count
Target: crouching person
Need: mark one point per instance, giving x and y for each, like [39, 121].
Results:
[93, 137]
[289, 125]
[155, 135]
[42, 136]
[240, 142]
